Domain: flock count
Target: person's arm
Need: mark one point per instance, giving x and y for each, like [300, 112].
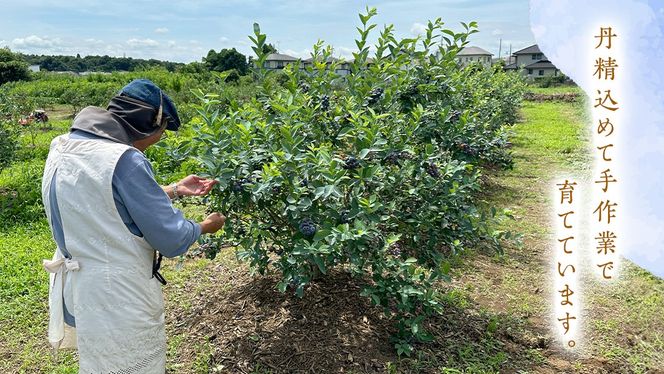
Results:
[191, 185]
[150, 208]
[213, 223]
[169, 190]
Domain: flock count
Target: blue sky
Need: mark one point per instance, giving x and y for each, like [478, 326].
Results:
[185, 30]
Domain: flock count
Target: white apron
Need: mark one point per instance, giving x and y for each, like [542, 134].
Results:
[108, 284]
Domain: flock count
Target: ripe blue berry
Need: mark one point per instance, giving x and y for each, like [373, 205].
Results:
[351, 163]
[433, 171]
[392, 158]
[395, 250]
[307, 227]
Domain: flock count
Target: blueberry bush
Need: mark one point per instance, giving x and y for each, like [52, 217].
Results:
[375, 172]
[8, 133]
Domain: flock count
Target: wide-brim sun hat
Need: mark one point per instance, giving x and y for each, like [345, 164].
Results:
[146, 91]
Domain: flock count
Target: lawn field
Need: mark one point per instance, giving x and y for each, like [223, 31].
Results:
[221, 319]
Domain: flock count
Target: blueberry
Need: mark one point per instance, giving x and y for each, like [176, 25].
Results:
[307, 227]
[344, 217]
[392, 158]
[432, 170]
[395, 250]
[351, 163]
[238, 185]
[325, 102]
[276, 250]
[375, 95]
[295, 281]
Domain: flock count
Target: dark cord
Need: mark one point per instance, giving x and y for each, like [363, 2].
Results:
[156, 265]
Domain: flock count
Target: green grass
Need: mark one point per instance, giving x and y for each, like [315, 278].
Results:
[625, 326]
[555, 90]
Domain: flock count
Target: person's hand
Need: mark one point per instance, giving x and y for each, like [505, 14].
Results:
[195, 186]
[213, 223]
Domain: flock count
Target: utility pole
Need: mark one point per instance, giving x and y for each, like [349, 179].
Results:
[500, 47]
[510, 57]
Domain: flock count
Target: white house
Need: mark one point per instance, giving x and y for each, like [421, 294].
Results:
[344, 66]
[277, 61]
[469, 55]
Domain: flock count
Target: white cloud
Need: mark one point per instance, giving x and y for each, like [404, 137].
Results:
[224, 39]
[345, 52]
[149, 43]
[497, 32]
[161, 30]
[93, 42]
[418, 29]
[34, 41]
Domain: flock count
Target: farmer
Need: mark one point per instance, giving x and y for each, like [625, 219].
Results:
[112, 222]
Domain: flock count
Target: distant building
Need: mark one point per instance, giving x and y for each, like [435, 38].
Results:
[84, 73]
[34, 68]
[469, 55]
[532, 63]
[342, 68]
[277, 61]
[541, 68]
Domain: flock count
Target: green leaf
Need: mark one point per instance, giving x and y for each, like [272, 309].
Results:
[321, 264]
[375, 299]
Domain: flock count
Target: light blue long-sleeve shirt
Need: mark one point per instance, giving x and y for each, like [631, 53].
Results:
[143, 206]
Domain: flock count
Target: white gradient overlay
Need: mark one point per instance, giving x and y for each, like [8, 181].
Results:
[564, 31]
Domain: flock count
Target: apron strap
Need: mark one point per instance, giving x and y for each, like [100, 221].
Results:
[156, 265]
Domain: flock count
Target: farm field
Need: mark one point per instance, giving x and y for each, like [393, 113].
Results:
[221, 319]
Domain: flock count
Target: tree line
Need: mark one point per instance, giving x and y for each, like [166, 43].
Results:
[97, 63]
[14, 65]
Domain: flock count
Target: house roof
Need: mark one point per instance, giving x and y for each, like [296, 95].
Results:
[511, 66]
[280, 57]
[329, 60]
[541, 64]
[528, 50]
[474, 51]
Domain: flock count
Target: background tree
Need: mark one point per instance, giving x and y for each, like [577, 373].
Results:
[12, 67]
[97, 63]
[226, 59]
[269, 48]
